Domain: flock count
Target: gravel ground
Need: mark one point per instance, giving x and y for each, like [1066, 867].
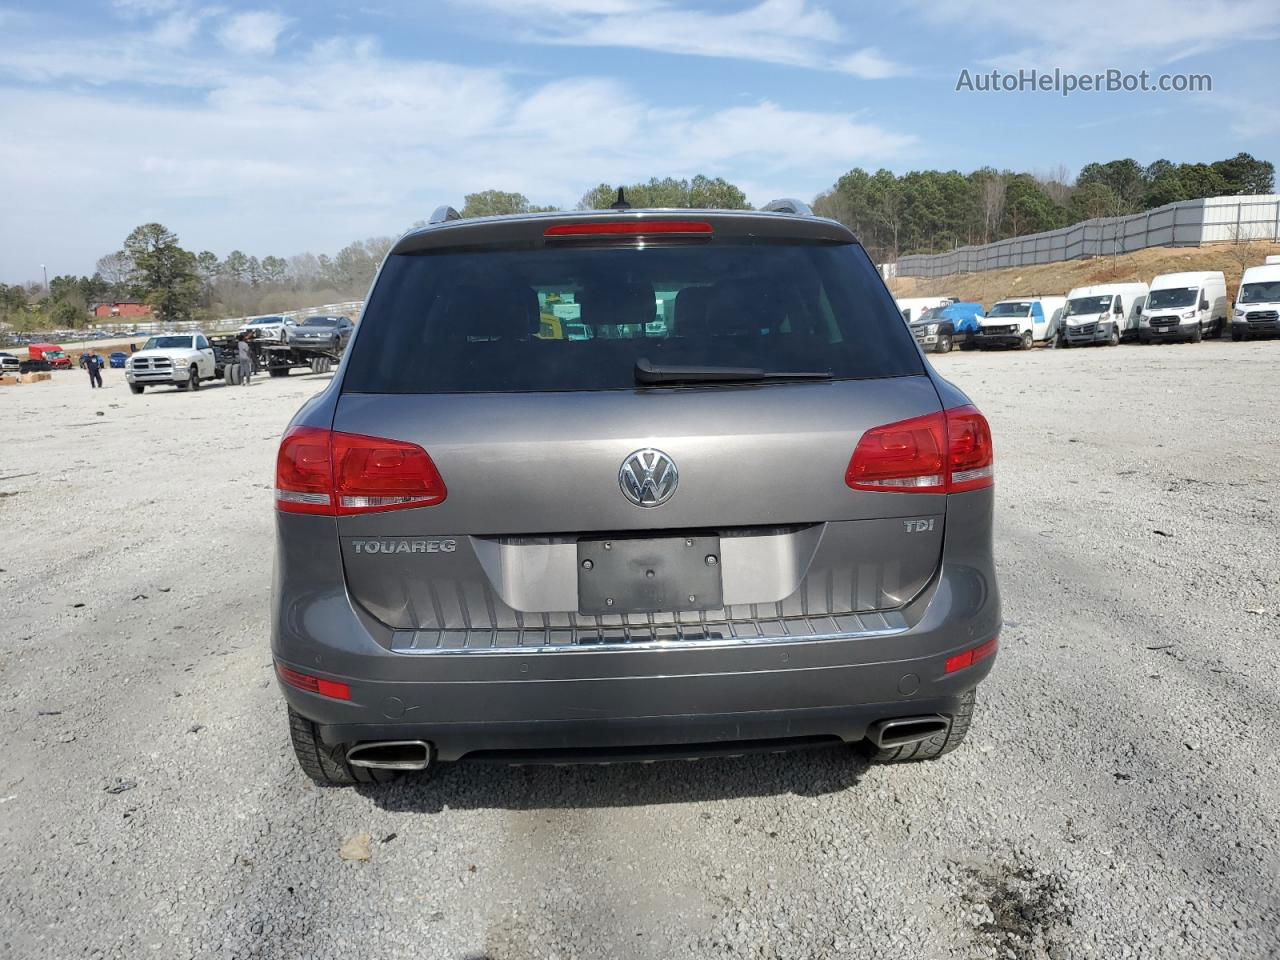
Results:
[1117, 797]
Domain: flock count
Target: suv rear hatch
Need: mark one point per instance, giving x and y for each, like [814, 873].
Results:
[731, 361]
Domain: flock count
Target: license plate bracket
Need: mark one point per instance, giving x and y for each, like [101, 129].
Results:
[649, 575]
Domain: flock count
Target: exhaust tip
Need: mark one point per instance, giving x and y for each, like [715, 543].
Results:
[901, 731]
[392, 755]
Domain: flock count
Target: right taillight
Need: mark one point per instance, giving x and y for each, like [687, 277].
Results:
[945, 452]
[337, 474]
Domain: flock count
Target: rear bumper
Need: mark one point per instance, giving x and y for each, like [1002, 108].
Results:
[670, 694]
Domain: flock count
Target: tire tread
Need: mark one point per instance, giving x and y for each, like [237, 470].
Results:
[936, 746]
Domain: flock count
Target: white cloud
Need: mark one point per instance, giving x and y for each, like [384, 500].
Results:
[254, 32]
[131, 8]
[176, 30]
[792, 32]
[1092, 34]
[312, 151]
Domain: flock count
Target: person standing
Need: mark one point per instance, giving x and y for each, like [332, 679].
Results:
[246, 360]
[93, 364]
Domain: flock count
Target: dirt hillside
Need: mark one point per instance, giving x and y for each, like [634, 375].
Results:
[1057, 278]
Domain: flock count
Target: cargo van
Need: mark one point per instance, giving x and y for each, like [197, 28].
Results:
[1185, 306]
[1103, 313]
[913, 307]
[1258, 302]
[1020, 322]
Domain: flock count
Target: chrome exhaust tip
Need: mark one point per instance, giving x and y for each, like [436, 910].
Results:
[901, 731]
[392, 755]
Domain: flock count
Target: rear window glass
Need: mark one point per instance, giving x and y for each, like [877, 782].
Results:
[578, 319]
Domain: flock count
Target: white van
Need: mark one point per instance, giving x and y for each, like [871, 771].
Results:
[1103, 313]
[912, 307]
[1020, 322]
[1258, 302]
[1185, 306]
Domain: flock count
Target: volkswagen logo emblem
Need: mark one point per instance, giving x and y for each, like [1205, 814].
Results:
[648, 478]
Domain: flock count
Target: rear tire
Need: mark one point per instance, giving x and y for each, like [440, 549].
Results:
[326, 763]
[933, 747]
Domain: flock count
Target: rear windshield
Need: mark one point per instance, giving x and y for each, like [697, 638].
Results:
[579, 319]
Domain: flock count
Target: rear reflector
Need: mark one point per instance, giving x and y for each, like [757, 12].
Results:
[630, 228]
[304, 681]
[970, 657]
[945, 452]
[337, 474]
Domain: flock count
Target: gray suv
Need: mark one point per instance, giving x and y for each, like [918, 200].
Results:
[622, 483]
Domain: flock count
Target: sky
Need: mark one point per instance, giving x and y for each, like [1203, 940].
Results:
[290, 127]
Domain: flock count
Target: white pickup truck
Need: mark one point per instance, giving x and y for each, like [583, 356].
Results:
[180, 359]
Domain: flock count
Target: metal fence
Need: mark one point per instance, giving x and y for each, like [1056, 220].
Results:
[1189, 223]
[351, 308]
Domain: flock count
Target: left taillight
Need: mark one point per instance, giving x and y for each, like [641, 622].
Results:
[338, 474]
[945, 452]
[305, 681]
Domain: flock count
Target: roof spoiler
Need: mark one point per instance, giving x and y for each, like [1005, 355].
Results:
[788, 205]
[443, 214]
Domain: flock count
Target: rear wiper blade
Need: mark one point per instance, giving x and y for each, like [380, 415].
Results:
[649, 373]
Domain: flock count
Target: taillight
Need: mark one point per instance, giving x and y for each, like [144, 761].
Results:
[969, 443]
[629, 228]
[338, 474]
[945, 452]
[304, 681]
[304, 472]
[970, 657]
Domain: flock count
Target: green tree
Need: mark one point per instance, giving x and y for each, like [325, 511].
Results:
[1028, 209]
[1091, 201]
[1201, 180]
[207, 266]
[494, 203]
[1125, 177]
[13, 301]
[274, 269]
[1244, 173]
[235, 267]
[669, 193]
[164, 274]
[718, 194]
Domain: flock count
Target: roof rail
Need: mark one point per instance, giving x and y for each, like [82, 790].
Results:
[443, 214]
[788, 205]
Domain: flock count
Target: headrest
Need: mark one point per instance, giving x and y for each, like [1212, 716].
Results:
[491, 311]
[621, 302]
[691, 306]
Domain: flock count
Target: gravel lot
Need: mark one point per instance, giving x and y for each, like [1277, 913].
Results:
[1118, 796]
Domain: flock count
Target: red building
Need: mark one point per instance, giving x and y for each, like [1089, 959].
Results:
[121, 308]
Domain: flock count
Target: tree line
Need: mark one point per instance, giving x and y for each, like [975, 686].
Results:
[930, 211]
[924, 211]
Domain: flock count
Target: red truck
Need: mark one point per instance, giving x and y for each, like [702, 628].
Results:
[51, 353]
